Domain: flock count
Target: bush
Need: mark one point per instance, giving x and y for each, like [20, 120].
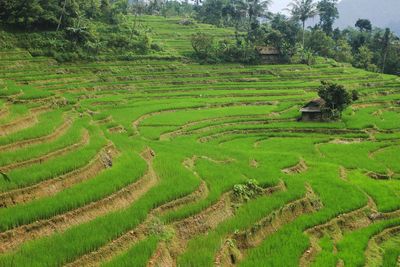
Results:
[186, 22]
[206, 50]
[237, 52]
[304, 56]
[247, 191]
[354, 95]
[203, 45]
[337, 98]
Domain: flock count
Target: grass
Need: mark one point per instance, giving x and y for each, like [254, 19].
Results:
[241, 123]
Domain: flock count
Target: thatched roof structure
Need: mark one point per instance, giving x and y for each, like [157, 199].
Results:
[268, 51]
[314, 106]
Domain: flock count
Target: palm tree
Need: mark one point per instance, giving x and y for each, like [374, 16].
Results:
[258, 8]
[303, 10]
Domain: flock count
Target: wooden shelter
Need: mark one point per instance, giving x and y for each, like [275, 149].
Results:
[313, 110]
[269, 54]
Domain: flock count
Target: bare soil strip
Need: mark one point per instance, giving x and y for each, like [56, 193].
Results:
[138, 121]
[119, 200]
[200, 223]
[22, 123]
[380, 176]
[212, 136]
[183, 130]
[205, 129]
[235, 246]
[124, 198]
[186, 229]
[343, 173]
[130, 238]
[104, 121]
[85, 140]
[374, 253]
[298, 168]
[336, 228]
[4, 112]
[44, 139]
[117, 129]
[200, 193]
[19, 124]
[53, 186]
[342, 141]
[372, 154]
[342, 224]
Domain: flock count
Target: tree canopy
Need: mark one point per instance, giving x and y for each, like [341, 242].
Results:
[336, 97]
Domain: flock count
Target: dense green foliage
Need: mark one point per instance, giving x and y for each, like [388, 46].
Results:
[336, 97]
[74, 29]
[369, 48]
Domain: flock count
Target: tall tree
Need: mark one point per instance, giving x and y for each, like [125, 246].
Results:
[61, 15]
[337, 98]
[386, 41]
[303, 10]
[328, 13]
[364, 25]
[256, 10]
[211, 11]
[363, 58]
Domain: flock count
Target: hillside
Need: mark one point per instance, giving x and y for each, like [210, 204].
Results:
[381, 13]
[162, 161]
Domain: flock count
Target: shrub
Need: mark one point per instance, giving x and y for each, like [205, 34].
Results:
[247, 191]
[337, 98]
[203, 45]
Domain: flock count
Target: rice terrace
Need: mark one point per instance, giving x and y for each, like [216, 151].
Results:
[159, 159]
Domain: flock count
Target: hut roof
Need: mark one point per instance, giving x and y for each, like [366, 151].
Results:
[314, 106]
[268, 50]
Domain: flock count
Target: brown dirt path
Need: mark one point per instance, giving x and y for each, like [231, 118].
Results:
[298, 168]
[126, 240]
[44, 139]
[4, 112]
[235, 246]
[212, 136]
[374, 252]
[22, 123]
[198, 224]
[53, 186]
[130, 238]
[84, 140]
[337, 227]
[136, 123]
[117, 201]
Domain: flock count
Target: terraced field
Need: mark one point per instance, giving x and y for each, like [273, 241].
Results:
[153, 162]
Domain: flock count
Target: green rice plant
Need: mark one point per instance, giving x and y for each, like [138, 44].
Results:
[54, 167]
[126, 169]
[48, 122]
[138, 255]
[352, 247]
[71, 137]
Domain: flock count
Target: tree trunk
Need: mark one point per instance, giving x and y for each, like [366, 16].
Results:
[304, 26]
[384, 59]
[61, 16]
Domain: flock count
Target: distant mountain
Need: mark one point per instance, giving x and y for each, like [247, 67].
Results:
[382, 13]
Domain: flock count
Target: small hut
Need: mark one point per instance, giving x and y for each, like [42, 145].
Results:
[269, 54]
[313, 110]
